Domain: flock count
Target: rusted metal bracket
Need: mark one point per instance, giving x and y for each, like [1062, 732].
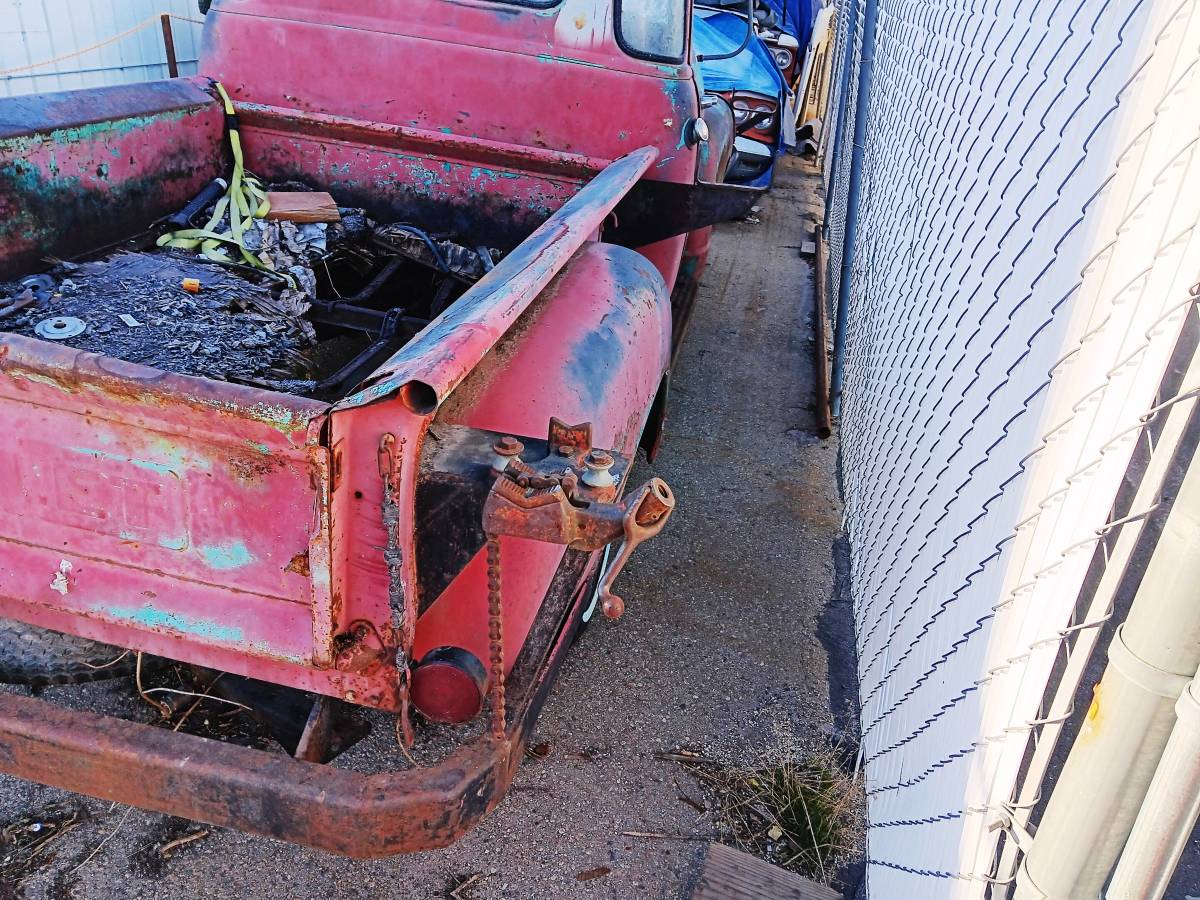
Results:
[391, 461]
[558, 504]
[568, 498]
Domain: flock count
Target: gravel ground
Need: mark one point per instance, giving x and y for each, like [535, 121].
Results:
[723, 645]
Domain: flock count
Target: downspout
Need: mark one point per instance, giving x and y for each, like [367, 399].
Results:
[1113, 760]
[1169, 812]
[853, 194]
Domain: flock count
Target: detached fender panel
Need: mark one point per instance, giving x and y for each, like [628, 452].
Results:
[593, 348]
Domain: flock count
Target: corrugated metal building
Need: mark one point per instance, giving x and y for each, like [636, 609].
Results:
[41, 40]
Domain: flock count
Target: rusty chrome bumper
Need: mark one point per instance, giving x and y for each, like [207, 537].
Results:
[271, 794]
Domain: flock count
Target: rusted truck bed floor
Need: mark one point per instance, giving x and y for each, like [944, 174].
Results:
[722, 639]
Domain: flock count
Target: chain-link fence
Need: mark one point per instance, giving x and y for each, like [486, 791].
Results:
[1023, 271]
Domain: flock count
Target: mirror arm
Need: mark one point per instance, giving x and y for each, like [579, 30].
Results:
[745, 40]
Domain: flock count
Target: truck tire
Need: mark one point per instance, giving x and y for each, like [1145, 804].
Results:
[39, 657]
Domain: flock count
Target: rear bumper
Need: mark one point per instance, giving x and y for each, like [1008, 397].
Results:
[274, 795]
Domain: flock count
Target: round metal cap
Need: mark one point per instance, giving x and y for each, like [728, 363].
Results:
[59, 328]
[448, 685]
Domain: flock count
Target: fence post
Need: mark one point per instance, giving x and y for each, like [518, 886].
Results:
[169, 44]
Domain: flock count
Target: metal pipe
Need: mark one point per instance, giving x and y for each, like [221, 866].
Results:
[821, 344]
[1169, 812]
[1113, 760]
[853, 196]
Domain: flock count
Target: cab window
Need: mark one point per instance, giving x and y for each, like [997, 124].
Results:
[653, 29]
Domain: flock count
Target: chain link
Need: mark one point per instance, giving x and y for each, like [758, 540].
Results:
[496, 641]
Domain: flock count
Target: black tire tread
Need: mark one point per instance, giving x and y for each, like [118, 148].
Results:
[39, 657]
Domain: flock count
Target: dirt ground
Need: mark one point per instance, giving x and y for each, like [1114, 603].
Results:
[723, 646]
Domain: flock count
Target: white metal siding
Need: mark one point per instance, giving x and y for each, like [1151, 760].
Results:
[37, 31]
[1027, 253]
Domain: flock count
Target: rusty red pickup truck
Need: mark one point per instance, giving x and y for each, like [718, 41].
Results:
[378, 466]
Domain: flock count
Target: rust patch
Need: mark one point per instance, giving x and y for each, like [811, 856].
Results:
[250, 469]
[299, 564]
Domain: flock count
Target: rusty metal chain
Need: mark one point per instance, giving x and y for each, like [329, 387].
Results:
[496, 641]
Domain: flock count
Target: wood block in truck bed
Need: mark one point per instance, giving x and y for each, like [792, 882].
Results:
[303, 206]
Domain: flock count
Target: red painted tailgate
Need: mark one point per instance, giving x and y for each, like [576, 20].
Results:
[165, 513]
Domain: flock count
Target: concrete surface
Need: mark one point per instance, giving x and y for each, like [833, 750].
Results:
[720, 647]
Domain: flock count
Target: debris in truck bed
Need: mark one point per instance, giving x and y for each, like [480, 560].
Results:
[234, 327]
[302, 307]
[452, 258]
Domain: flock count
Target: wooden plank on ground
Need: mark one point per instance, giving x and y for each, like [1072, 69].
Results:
[303, 206]
[729, 874]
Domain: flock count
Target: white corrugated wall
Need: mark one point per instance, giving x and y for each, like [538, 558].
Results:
[40, 40]
[1027, 255]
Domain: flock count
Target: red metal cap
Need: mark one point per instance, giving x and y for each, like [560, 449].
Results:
[448, 685]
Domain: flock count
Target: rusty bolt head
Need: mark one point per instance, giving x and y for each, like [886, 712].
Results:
[598, 459]
[508, 446]
[596, 469]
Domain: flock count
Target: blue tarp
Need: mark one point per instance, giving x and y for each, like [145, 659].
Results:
[752, 70]
[795, 17]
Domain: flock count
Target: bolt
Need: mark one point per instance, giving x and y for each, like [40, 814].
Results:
[597, 469]
[508, 446]
[506, 450]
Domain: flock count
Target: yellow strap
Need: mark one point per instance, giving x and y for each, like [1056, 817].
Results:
[246, 199]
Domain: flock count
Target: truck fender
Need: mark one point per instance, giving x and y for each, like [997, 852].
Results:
[594, 347]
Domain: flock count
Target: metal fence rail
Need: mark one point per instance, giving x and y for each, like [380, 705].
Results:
[1025, 253]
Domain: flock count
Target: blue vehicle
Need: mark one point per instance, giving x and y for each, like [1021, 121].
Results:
[753, 85]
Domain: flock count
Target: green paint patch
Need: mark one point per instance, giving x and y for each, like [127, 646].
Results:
[179, 457]
[149, 617]
[566, 60]
[92, 130]
[146, 464]
[224, 557]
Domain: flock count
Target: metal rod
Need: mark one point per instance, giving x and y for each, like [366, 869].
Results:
[373, 287]
[853, 198]
[821, 345]
[745, 40]
[169, 44]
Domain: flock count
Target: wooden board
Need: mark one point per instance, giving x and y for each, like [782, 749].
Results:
[303, 206]
[729, 874]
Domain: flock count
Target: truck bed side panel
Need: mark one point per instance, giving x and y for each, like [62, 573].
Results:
[81, 169]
